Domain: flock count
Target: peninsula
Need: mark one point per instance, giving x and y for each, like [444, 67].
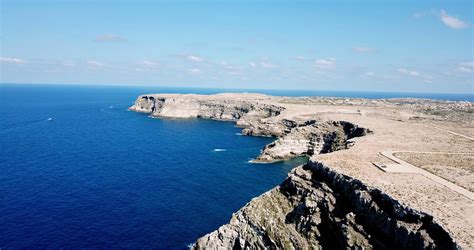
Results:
[388, 173]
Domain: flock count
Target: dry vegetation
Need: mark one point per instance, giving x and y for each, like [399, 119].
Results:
[456, 168]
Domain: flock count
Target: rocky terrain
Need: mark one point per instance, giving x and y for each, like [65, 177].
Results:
[318, 208]
[339, 199]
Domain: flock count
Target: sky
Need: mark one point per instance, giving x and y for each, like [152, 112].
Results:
[401, 46]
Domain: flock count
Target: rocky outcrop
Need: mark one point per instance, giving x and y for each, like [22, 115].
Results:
[316, 207]
[311, 138]
[199, 106]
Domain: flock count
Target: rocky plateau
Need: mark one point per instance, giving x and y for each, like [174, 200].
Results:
[317, 206]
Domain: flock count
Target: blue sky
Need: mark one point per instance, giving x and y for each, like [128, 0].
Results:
[408, 46]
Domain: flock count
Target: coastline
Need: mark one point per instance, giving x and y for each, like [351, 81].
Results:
[291, 121]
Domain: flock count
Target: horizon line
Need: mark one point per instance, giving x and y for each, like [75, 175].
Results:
[206, 87]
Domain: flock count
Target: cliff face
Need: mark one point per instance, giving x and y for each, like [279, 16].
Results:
[311, 138]
[316, 207]
[192, 106]
[296, 137]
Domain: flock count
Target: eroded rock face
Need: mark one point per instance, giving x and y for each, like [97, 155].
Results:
[193, 106]
[311, 138]
[316, 207]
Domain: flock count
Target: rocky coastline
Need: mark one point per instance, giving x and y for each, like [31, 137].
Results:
[316, 206]
[295, 137]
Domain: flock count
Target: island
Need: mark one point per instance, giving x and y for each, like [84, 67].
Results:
[382, 173]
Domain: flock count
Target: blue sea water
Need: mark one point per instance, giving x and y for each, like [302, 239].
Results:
[96, 175]
[77, 170]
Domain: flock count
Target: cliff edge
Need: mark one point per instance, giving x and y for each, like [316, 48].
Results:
[344, 197]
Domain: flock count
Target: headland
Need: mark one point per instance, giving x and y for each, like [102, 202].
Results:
[381, 172]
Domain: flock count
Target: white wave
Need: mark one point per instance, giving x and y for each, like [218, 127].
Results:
[253, 161]
[50, 119]
[238, 133]
[219, 149]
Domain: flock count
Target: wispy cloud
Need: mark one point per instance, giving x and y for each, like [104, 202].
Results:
[404, 71]
[364, 49]
[146, 65]
[110, 38]
[95, 64]
[194, 71]
[323, 64]
[368, 74]
[194, 58]
[68, 64]
[265, 64]
[415, 74]
[12, 60]
[448, 20]
[300, 58]
[451, 21]
[465, 67]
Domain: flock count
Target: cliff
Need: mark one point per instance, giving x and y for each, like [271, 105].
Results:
[331, 201]
[316, 207]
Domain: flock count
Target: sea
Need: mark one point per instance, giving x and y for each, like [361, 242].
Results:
[78, 170]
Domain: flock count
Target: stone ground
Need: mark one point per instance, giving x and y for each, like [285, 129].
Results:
[399, 128]
[424, 133]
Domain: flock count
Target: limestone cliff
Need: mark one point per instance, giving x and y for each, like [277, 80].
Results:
[316, 207]
[196, 106]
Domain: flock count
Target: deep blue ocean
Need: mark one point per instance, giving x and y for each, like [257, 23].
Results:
[77, 170]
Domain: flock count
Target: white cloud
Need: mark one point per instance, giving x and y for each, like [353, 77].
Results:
[148, 63]
[264, 64]
[110, 38]
[415, 74]
[233, 72]
[466, 67]
[68, 64]
[194, 58]
[329, 63]
[300, 58]
[194, 71]
[451, 21]
[409, 72]
[12, 60]
[267, 65]
[364, 50]
[368, 74]
[95, 64]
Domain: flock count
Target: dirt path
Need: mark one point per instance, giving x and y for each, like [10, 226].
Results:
[448, 131]
[405, 167]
